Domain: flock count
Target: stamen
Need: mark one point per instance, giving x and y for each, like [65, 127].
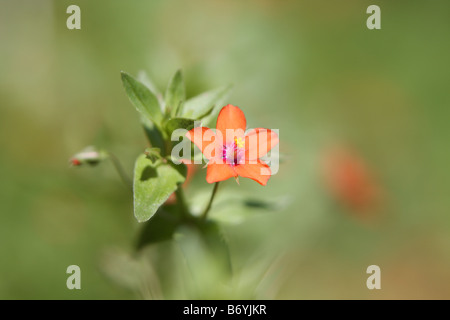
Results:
[239, 142]
[232, 153]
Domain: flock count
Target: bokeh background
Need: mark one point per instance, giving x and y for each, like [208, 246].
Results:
[363, 118]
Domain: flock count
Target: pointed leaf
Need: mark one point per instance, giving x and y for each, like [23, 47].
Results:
[202, 105]
[153, 185]
[143, 77]
[175, 93]
[178, 123]
[142, 99]
[207, 112]
[235, 208]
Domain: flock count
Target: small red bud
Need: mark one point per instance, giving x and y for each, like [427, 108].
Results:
[75, 162]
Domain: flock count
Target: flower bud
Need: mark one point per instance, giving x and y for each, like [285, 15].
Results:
[89, 155]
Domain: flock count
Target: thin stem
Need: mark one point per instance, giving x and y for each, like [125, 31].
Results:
[205, 213]
[181, 201]
[120, 170]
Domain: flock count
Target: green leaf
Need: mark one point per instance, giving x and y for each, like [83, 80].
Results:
[160, 228]
[207, 113]
[216, 242]
[153, 185]
[175, 94]
[178, 123]
[206, 251]
[153, 134]
[234, 208]
[153, 154]
[202, 105]
[143, 77]
[142, 98]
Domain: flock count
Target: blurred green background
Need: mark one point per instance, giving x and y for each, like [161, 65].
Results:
[309, 68]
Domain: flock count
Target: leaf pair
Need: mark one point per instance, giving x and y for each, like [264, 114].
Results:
[145, 97]
[175, 112]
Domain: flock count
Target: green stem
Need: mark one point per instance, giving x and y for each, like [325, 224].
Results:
[205, 213]
[120, 170]
[181, 201]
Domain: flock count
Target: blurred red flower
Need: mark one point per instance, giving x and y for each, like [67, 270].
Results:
[350, 181]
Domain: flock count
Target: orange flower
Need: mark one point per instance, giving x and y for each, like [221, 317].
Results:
[230, 151]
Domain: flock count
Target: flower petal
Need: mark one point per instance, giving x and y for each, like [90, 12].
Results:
[231, 118]
[218, 172]
[202, 137]
[260, 172]
[258, 142]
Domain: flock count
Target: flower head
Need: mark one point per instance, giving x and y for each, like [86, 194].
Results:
[230, 151]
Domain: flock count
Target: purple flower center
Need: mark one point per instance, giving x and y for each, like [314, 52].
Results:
[232, 154]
